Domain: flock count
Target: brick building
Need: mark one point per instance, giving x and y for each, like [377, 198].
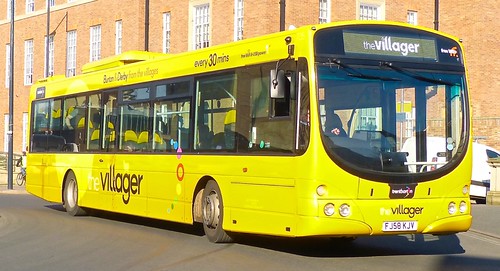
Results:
[85, 30]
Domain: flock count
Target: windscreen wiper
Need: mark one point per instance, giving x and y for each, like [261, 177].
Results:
[355, 73]
[415, 75]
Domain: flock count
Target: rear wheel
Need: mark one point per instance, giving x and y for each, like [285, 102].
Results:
[213, 214]
[70, 196]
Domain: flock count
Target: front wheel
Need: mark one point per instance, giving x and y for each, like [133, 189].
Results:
[213, 214]
[20, 179]
[70, 196]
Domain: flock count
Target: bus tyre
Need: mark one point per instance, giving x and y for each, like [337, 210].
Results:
[213, 214]
[70, 196]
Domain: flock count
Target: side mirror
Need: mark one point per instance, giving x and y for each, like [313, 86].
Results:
[279, 85]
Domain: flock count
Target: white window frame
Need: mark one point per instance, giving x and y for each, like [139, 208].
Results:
[201, 26]
[118, 36]
[6, 132]
[9, 11]
[412, 17]
[167, 18]
[7, 65]
[28, 62]
[325, 11]
[238, 19]
[30, 6]
[51, 55]
[95, 43]
[71, 53]
[370, 11]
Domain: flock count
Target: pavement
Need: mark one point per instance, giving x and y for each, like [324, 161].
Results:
[485, 218]
[4, 187]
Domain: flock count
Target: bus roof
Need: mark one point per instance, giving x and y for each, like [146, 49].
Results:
[119, 60]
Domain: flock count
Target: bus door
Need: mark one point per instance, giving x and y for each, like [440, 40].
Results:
[45, 140]
[37, 157]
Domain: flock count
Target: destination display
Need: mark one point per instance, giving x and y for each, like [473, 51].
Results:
[387, 45]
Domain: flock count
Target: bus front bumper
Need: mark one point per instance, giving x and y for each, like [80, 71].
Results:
[449, 225]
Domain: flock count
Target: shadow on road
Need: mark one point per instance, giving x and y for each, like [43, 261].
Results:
[196, 230]
[407, 244]
[458, 263]
[410, 244]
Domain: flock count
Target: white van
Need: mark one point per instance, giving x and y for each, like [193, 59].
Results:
[436, 150]
[481, 171]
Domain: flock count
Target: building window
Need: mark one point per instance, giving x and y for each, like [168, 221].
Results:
[30, 6]
[7, 65]
[52, 3]
[166, 32]
[51, 56]
[412, 17]
[368, 12]
[118, 37]
[95, 43]
[238, 19]
[71, 54]
[201, 26]
[324, 11]
[28, 62]
[9, 10]
[6, 120]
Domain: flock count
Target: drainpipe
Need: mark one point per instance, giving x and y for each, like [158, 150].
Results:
[146, 26]
[10, 133]
[47, 41]
[282, 14]
[436, 14]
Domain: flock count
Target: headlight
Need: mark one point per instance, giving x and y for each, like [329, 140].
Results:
[463, 207]
[345, 210]
[452, 208]
[329, 209]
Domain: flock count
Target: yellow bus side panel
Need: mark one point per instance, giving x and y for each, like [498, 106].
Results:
[263, 208]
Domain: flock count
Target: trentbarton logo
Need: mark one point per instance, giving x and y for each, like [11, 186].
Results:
[453, 51]
[124, 183]
[402, 191]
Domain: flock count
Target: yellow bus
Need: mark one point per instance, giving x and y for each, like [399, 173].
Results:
[294, 134]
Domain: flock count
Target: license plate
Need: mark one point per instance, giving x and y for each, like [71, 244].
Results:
[399, 226]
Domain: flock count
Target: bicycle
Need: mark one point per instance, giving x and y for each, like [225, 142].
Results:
[21, 178]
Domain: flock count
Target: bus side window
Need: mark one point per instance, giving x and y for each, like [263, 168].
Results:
[271, 125]
[205, 137]
[135, 120]
[56, 117]
[110, 118]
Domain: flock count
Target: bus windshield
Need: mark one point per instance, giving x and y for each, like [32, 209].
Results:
[376, 118]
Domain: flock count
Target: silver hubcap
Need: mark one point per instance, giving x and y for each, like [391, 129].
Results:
[71, 194]
[211, 210]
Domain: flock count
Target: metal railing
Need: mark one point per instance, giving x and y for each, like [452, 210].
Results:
[3, 161]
